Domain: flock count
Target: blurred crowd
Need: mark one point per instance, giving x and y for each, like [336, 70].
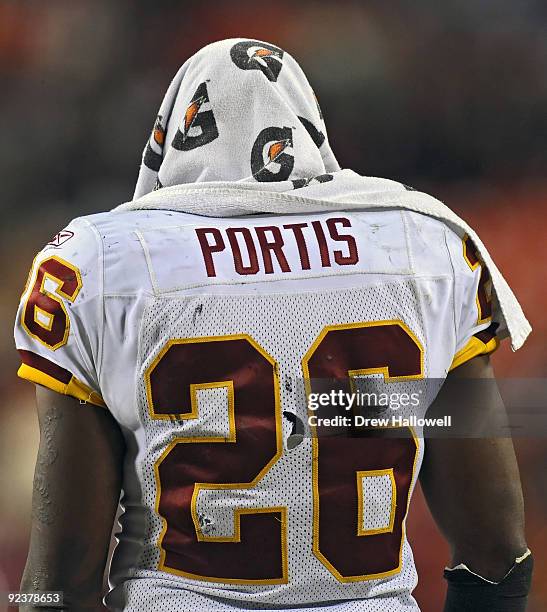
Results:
[447, 97]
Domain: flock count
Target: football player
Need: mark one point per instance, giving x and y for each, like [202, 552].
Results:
[177, 341]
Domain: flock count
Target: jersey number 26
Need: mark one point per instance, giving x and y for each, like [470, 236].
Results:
[257, 551]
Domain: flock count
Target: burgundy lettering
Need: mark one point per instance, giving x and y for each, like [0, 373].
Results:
[252, 268]
[300, 243]
[322, 242]
[343, 260]
[274, 246]
[208, 249]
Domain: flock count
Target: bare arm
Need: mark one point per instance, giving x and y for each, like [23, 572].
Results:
[77, 484]
[472, 485]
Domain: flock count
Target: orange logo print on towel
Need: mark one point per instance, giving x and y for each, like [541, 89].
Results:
[153, 155]
[271, 159]
[199, 126]
[254, 55]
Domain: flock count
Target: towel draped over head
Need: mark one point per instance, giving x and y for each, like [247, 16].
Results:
[238, 110]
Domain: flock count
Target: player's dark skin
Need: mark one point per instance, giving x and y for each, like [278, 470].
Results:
[77, 483]
[472, 487]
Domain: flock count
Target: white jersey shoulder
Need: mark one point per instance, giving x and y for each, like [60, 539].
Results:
[57, 326]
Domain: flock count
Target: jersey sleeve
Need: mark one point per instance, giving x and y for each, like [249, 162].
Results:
[475, 328]
[59, 320]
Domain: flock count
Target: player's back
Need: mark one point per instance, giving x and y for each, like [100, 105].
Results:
[210, 335]
[235, 315]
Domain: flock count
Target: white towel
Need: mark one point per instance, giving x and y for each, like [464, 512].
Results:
[238, 110]
[240, 132]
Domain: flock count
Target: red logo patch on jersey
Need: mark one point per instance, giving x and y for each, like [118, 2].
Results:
[60, 238]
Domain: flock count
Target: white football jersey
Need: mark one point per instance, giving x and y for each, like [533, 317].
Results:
[205, 339]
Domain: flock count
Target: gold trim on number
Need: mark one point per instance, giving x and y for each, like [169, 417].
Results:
[478, 264]
[360, 501]
[230, 439]
[315, 445]
[54, 296]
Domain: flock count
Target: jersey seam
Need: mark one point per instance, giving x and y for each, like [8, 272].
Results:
[404, 219]
[453, 293]
[101, 307]
[406, 275]
[142, 415]
[148, 259]
[87, 364]
[170, 296]
[415, 281]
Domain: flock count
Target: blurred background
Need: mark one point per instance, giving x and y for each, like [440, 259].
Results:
[448, 97]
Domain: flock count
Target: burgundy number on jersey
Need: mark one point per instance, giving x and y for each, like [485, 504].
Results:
[340, 543]
[484, 300]
[257, 551]
[45, 317]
